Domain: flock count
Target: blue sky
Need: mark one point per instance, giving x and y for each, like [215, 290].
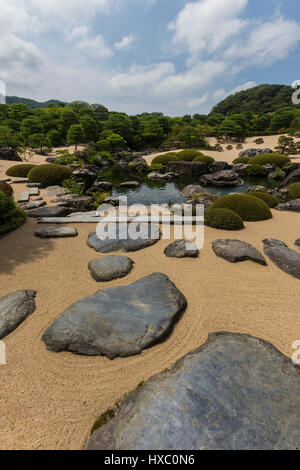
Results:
[174, 56]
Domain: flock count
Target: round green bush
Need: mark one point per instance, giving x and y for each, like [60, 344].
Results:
[11, 217]
[223, 219]
[165, 159]
[256, 170]
[49, 175]
[249, 208]
[294, 191]
[6, 189]
[270, 158]
[241, 160]
[270, 200]
[188, 155]
[204, 158]
[20, 171]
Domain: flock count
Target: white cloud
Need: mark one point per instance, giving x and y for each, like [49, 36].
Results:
[243, 87]
[126, 43]
[93, 46]
[140, 78]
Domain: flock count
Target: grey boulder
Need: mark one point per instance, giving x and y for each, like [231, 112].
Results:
[192, 190]
[118, 243]
[297, 242]
[14, 309]
[110, 267]
[182, 249]
[222, 178]
[130, 184]
[53, 211]
[236, 251]
[32, 205]
[54, 191]
[235, 392]
[120, 321]
[292, 206]
[292, 178]
[56, 232]
[283, 257]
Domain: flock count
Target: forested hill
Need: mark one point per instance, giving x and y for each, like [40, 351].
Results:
[258, 100]
[31, 103]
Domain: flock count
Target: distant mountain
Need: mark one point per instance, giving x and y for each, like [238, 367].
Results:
[258, 100]
[31, 103]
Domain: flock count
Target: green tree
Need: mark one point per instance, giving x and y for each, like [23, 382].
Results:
[90, 128]
[75, 135]
[191, 138]
[7, 137]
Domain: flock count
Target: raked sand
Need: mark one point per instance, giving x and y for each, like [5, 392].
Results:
[49, 400]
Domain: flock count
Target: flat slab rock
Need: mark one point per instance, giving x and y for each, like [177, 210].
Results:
[120, 321]
[128, 244]
[54, 191]
[130, 184]
[110, 267]
[292, 206]
[283, 257]
[53, 211]
[297, 242]
[236, 251]
[32, 205]
[236, 392]
[56, 232]
[182, 249]
[14, 309]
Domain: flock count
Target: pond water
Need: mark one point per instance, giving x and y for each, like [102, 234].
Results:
[157, 192]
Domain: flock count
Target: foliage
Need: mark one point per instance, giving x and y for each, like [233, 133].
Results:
[156, 167]
[241, 160]
[248, 207]
[11, 217]
[165, 159]
[99, 198]
[75, 135]
[6, 189]
[20, 171]
[223, 219]
[49, 175]
[256, 170]
[204, 158]
[259, 141]
[270, 200]
[188, 155]
[64, 157]
[270, 158]
[287, 146]
[294, 191]
[74, 185]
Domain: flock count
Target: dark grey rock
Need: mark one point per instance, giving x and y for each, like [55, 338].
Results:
[32, 205]
[114, 201]
[154, 176]
[219, 166]
[252, 152]
[5, 180]
[34, 185]
[20, 181]
[297, 242]
[53, 211]
[56, 232]
[100, 186]
[119, 244]
[87, 176]
[14, 309]
[182, 249]
[240, 169]
[236, 251]
[120, 321]
[191, 190]
[292, 206]
[235, 392]
[206, 199]
[188, 168]
[75, 203]
[283, 257]
[222, 178]
[110, 267]
[292, 178]
[9, 153]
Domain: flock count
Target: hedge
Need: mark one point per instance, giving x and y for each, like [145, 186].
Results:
[49, 175]
[188, 155]
[294, 191]
[205, 159]
[20, 171]
[276, 159]
[270, 200]
[223, 219]
[6, 189]
[249, 208]
[165, 159]
[11, 217]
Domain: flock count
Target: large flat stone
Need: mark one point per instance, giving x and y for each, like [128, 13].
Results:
[110, 267]
[14, 309]
[56, 232]
[236, 251]
[53, 211]
[23, 197]
[34, 192]
[235, 392]
[27, 206]
[54, 191]
[128, 244]
[283, 257]
[120, 321]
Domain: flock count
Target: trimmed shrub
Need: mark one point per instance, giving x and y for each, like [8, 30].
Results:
[204, 158]
[256, 170]
[11, 217]
[49, 175]
[270, 158]
[6, 189]
[270, 200]
[249, 208]
[165, 159]
[241, 160]
[188, 155]
[20, 171]
[223, 219]
[294, 191]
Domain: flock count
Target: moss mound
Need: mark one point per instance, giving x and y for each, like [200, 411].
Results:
[20, 171]
[6, 189]
[241, 160]
[270, 158]
[270, 200]
[223, 219]
[11, 217]
[188, 155]
[205, 159]
[294, 191]
[49, 175]
[165, 159]
[249, 208]
[256, 170]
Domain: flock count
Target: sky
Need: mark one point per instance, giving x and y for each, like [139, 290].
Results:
[172, 56]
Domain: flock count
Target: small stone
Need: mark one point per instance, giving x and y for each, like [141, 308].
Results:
[236, 251]
[130, 184]
[182, 249]
[56, 232]
[20, 181]
[110, 267]
[34, 192]
[34, 185]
